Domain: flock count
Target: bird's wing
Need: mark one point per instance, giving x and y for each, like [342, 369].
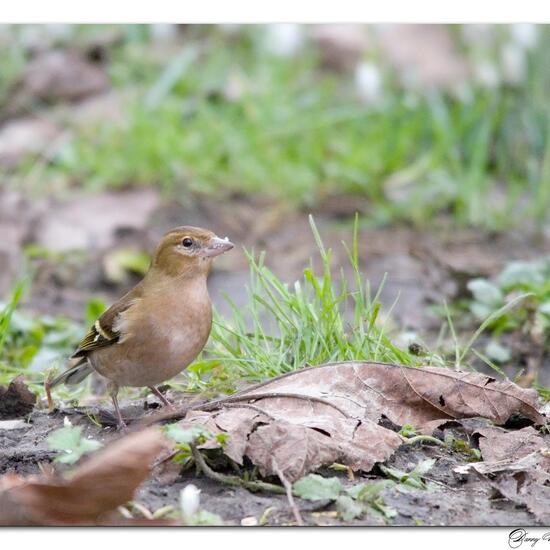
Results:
[106, 330]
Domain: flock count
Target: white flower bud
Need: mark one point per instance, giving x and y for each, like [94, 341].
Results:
[487, 75]
[163, 31]
[514, 64]
[284, 40]
[525, 35]
[230, 28]
[480, 34]
[368, 81]
[189, 501]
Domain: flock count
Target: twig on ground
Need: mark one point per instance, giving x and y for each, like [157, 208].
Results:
[248, 406]
[233, 480]
[288, 488]
[233, 399]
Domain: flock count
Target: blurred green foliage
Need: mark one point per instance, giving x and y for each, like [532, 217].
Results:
[221, 113]
[516, 277]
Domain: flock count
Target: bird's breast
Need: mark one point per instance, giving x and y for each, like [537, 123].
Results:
[180, 331]
[158, 341]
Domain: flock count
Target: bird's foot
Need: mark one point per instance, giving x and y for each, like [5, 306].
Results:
[113, 390]
[161, 396]
[121, 425]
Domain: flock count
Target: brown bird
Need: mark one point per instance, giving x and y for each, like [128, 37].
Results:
[158, 328]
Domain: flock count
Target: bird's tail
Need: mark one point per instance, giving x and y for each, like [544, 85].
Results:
[74, 374]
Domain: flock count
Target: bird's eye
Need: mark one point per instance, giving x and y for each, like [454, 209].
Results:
[187, 242]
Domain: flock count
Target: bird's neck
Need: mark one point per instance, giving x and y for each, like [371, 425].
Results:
[189, 284]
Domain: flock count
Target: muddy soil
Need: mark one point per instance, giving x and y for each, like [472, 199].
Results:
[454, 499]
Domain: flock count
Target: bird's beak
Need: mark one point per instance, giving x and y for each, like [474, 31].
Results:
[217, 246]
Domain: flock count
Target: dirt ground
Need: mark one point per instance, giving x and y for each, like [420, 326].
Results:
[454, 499]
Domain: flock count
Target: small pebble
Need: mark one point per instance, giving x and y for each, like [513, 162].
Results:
[249, 521]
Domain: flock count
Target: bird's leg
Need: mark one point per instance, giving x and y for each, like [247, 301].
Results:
[160, 396]
[113, 392]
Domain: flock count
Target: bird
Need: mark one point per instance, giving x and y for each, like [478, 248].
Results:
[159, 327]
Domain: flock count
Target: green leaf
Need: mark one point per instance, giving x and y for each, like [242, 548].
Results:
[497, 352]
[71, 444]
[316, 487]
[179, 435]
[480, 311]
[521, 273]
[412, 478]
[348, 508]
[387, 511]
[424, 466]
[408, 430]
[485, 292]
[368, 492]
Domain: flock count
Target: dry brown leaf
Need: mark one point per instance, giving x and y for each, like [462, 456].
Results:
[16, 400]
[62, 75]
[96, 488]
[523, 480]
[319, 415]
[500, 444]
[526, 488]
[537, 462]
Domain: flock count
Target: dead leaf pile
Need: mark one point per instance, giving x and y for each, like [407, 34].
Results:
[92, 493]
[303, 420]
[517, 465]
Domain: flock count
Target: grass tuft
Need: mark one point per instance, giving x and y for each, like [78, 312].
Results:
[284, 327]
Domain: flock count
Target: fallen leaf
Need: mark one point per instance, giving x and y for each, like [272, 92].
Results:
[523, 480]
[525, 488]
[423, 55]
[25, 137]
[93, 222]
[538, 461]
[499, 444]
[89, 496]
[62, 75]
[340, 45]
[16, 400]
[321, 415]
[18, 216]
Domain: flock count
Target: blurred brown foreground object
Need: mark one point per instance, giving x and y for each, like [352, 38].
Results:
[91, 495]
[16, 400]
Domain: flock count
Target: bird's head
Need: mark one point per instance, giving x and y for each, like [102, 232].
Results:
[188, 250]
